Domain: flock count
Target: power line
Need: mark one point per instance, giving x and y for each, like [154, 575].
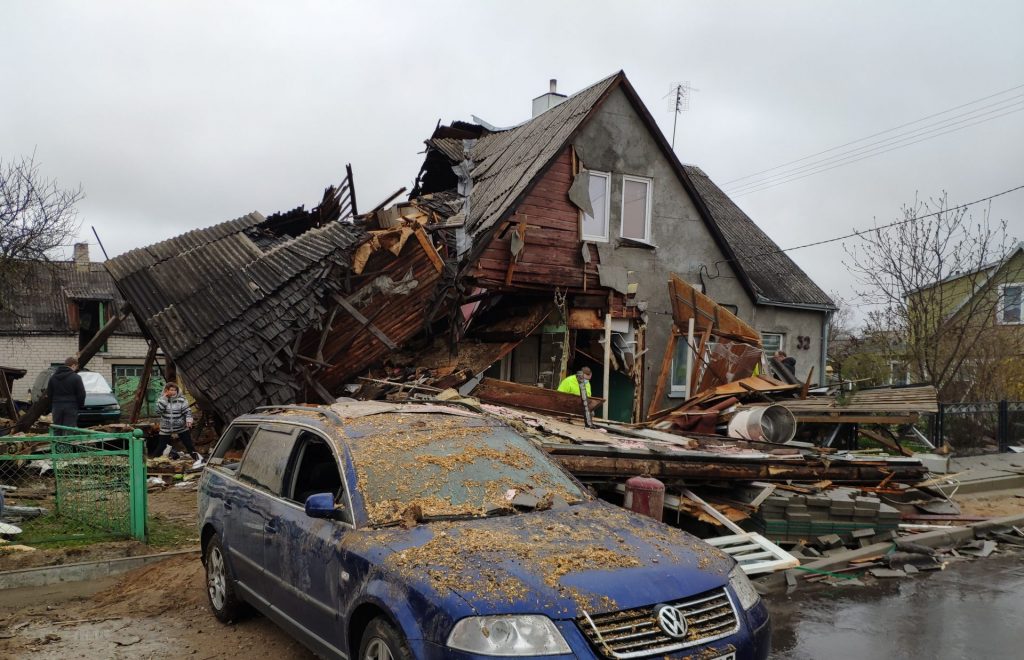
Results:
[854, 158]
[876, 228]
[949, 122]
[890, 130]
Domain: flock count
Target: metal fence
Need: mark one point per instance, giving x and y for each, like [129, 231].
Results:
[80, 487]
[980, 426]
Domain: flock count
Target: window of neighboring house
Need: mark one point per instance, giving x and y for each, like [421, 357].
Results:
[1010, 296]
[772, 342]
[636, 208]
[595, 227]
[87, 318]
[680, 376]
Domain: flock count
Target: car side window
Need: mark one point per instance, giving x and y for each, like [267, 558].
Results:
[266, 460]
[316, 471]
[232, 445]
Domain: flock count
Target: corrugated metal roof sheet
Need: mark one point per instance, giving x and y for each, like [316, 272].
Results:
[504, 163]
[772, 273]
[223, 308]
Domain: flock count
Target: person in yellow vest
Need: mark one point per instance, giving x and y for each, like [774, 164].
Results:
[571, 383]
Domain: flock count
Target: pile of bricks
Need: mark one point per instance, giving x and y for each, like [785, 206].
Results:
[845, 512]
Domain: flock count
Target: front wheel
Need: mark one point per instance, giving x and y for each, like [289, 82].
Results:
[226, 606]
[382, 642]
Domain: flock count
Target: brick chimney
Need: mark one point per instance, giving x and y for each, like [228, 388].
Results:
[82, 257]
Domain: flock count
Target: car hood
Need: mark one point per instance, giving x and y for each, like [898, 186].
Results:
[592, 556]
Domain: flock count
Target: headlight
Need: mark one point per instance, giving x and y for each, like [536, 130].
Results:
[744, 590]
[112, 408]
[529, 634]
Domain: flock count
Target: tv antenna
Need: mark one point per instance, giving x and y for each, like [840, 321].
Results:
[678, 101]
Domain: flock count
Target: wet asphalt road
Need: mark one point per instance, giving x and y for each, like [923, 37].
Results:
[972, 610]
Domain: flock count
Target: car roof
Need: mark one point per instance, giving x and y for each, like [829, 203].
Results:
[336, 413]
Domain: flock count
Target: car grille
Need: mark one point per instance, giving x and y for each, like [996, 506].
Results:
[636, 633]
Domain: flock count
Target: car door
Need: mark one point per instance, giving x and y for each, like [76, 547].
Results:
[303, 554]
[260, 479]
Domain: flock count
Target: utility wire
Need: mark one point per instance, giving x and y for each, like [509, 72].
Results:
[854, 158]
[890, 130]
[949, 122]
[876, 228]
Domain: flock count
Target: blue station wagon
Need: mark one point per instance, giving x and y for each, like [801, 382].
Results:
[427, 530]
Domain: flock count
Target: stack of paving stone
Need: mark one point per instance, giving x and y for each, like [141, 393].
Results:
[791, 517]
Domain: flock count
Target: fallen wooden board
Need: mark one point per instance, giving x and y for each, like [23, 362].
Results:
[528, 397]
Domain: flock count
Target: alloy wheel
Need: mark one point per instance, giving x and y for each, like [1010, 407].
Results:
[216, 579]
[377, 649]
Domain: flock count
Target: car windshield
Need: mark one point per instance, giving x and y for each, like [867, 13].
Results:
[422, 466]
[94, 383]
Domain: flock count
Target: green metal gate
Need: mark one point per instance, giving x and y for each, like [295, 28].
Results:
[91, 484]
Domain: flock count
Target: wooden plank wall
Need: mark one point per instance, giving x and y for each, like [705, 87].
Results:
[552, 255]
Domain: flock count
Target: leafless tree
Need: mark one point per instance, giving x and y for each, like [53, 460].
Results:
[37, 216]
[934, 278]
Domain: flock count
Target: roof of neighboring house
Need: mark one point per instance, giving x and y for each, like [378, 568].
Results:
[41, 291]
[506, 163]
[774, 276]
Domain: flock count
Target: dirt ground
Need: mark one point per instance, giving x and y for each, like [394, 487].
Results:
[996, 503]
[126, 617]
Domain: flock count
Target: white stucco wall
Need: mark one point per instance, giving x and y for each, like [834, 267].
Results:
[35, 353]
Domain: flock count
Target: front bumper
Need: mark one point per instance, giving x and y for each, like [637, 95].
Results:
[752, 642]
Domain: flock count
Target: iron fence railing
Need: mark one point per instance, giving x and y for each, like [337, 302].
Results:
[980, 425]
[79, 487]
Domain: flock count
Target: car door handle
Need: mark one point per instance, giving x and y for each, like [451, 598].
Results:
[270, 528]
[227, 504]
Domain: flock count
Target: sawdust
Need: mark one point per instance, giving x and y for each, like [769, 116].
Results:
[446, 466]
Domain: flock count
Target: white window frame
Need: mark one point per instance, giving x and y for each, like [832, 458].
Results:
[782, 342]
[607, 207]
[1000, 307]
[899, 373]
[679, 391]
[647, 209]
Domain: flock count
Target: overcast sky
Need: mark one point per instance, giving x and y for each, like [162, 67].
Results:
[178, 115]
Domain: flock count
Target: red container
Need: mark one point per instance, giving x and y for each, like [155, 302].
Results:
[646, 496]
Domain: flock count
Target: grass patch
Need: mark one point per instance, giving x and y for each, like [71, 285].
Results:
[167, 534]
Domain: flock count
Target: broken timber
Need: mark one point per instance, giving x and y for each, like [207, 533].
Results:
[528, 397]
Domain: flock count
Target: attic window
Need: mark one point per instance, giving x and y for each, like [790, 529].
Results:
[1009, 310]
[595, 227]
[636, 208]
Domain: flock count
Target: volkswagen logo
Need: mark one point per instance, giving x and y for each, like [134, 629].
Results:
[671, 621]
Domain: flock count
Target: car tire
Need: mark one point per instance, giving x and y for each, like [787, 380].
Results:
[226, 605]
[382, 642]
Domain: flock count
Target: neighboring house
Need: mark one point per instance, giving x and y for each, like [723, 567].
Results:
[58, 307]
[971, 330]
[586, 204]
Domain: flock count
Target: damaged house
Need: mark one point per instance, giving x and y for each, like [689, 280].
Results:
[586, 205]
[522, 255]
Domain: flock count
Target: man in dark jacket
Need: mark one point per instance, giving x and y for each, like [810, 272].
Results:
[67, 395]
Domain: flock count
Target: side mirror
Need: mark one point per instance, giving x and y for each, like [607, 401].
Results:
[320, 505]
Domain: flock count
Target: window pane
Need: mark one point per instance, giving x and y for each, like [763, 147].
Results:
[772, 342]
[265, 462]
[679, 376]
[1011, 304]
[634, 209]
[596, 226]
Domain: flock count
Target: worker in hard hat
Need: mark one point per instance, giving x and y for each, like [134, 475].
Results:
[571, 383]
